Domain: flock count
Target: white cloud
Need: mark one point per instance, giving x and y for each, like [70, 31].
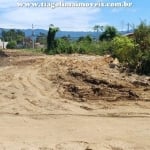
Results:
[6, 4]
[64, 18]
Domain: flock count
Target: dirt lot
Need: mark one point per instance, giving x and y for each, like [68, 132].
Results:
[71, 102]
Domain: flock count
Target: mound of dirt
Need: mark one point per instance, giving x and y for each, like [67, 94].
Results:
[92, 88]
[89, 78]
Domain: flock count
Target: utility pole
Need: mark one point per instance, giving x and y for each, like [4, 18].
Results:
[3, 44]
[32, 36]
[128, 27]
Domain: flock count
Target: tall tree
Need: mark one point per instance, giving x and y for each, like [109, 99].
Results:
[98, 28]
[51, 38]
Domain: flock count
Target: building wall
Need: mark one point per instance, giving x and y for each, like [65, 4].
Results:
[3, 45]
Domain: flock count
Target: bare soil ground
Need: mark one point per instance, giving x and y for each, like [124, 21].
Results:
[71, 102]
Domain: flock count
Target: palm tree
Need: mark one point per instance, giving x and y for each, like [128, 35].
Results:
[98, 28]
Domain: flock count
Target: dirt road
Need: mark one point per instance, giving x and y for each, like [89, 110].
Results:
[71, 102]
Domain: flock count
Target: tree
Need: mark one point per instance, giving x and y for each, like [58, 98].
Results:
[85, 39]
[12, 45]
[51, 43]
[41, 38]
[142, 36]
[143, 66]
[13, 35]
[98, 28]
[109, 33]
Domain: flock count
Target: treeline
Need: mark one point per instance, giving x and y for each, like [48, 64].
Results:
[17, 39]
[133, 51]
[83, 45]
[13, 37]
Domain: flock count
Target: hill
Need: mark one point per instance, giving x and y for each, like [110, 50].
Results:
[72, 34]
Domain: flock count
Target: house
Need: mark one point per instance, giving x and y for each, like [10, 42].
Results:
[38, 45]
[130, 35]
[3, 45]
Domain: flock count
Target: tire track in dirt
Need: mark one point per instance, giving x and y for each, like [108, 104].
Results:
[30, 92]
[19, 87]
[33, 92]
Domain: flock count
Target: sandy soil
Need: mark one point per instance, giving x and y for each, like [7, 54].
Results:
[71, 102]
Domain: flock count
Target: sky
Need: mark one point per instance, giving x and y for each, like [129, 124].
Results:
[72, 18]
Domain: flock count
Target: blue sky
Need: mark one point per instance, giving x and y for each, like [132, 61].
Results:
[72, 19]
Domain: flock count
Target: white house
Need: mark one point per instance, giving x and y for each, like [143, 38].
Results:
[3, 45]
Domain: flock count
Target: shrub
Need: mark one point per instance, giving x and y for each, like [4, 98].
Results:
[124, 49]
[63, 46]
[85, 39]
[12, 45]
[143, 66]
